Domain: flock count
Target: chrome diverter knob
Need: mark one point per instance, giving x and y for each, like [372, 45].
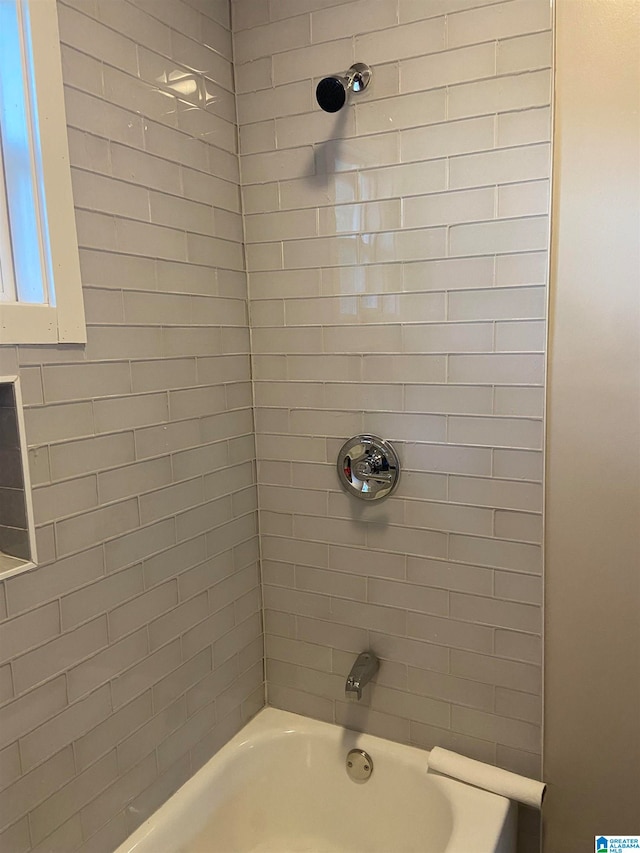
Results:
[368, 467]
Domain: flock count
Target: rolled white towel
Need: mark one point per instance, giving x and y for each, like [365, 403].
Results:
[511, 785]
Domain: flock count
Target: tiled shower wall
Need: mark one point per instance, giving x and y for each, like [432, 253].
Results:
[397, 268]
[135, 650]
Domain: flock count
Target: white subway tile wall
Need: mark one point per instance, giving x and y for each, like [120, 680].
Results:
[135, 650]
[397, 258]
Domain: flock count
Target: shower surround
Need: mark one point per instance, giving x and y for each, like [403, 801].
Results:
[397, 260]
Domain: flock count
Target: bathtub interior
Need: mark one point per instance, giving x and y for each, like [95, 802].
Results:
[281, 785]
[309, 802]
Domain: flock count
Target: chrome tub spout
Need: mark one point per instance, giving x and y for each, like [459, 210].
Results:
[362, 672]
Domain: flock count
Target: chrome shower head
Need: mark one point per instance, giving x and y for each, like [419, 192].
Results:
[331, 92]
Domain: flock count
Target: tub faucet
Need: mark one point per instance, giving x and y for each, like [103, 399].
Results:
[362, 672]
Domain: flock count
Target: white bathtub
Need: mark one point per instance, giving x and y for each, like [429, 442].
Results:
[280, 785]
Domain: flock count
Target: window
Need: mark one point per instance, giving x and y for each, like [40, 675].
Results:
[40, 289]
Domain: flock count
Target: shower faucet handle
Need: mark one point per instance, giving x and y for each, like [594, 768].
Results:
[368, 467]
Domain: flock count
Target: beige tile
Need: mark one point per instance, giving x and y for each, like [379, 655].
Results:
[427, 736]
[446, 139]
[525, 527]
[448, 632]
[161, 374]
[518, 464]
[447, 67]
[360, 718]
[332, 634]
[516, 646]
[142, 543]
[68, 799]
[519, 128]
[410, 706]
[106, 664]
[331, 583]
[33, 629]
[252, 76]
[93, 527]
[208, 631]
[35, 786]
[134, 411]
[519, 401]
[107, 734]
[500, 166]
[144, 741]
[185, 737]
[141, 610]
[499, 369]
[170, 500]
[212, 685]
[500, 432]
[59, 654]
[402, 180]
[516, 587]
[181, 679]
[448, 459]
[66, 837]
[526, 764]
[118, 794]
[10, 765]
[56, 423]
[134, 479]
[493, 670]
[272, 38]
[79, 30]
[458, 691]
[408, 596]
[440, 516]
[452, 576]
[520, 336]
[178, 621]
[311, 681]
[239, 640]
[299, 702]
[399, 42]
[448, 399]
[521, 706]
[359, 16]
[513, 235]
[66, 727]
[38, 706]
[524, 199]
[496, 493]
[500, 21]
[75, 381]
[503, 730]
[504, 614]
[499, 554]
[144, 674]
[109, 836]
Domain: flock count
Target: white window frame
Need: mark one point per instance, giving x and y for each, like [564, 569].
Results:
[64, 321]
